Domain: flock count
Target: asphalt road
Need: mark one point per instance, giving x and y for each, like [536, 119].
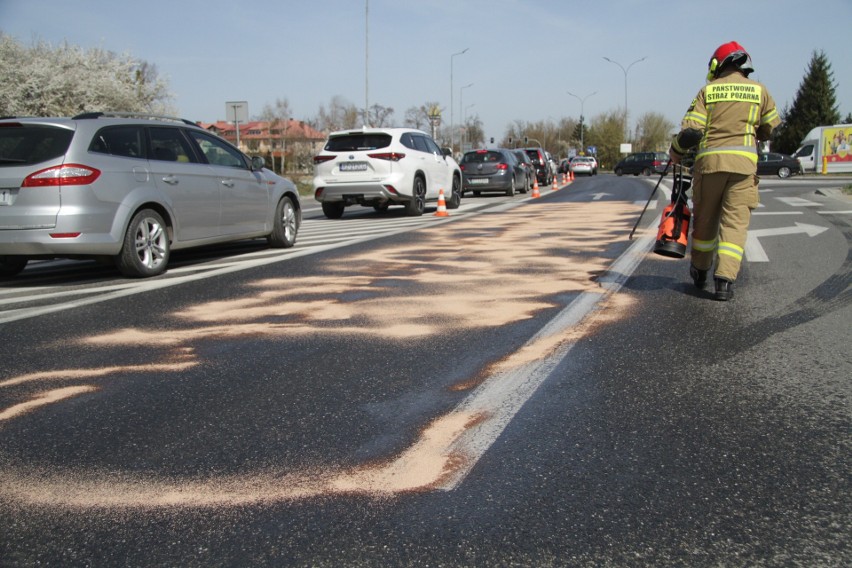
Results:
[519, 385]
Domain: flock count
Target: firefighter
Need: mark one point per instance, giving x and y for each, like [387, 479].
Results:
[723, 126]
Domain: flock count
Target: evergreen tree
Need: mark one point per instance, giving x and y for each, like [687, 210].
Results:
[815, 105]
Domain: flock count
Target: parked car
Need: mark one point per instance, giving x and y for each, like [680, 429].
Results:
[380, 167]
[131, 188]
[554, 167]
[529, 168]
[495, 169]
[782, 165]
[584, 165]
[542, 166]
[645, 163]
[564, 165]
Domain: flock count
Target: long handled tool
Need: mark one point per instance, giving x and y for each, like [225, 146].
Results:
[662, 175]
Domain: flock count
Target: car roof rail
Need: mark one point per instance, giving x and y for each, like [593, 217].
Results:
[120, 114]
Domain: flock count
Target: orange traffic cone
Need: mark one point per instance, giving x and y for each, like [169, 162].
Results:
[535, 192]
[442, 205]
[571, 174]
[564, 178]
[555, 185]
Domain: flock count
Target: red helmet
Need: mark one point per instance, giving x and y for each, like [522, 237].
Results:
[730, 53]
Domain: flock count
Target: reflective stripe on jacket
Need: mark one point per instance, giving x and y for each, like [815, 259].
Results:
[734, 113]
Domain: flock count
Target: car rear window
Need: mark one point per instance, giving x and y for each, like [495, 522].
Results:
[351, 142]
[534, 157]
[27, 144]
[482, 157]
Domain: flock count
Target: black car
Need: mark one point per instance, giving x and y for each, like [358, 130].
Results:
[645, 163]
[495, 169]
[782, 165]
[541, 162]
[528, 167]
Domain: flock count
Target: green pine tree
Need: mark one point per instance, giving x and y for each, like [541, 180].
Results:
[815, 105]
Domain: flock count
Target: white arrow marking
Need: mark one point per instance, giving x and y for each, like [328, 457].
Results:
[753, 249]
[596, 196]
[798, 202]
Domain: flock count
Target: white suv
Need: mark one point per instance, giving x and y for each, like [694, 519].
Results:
[379, 167]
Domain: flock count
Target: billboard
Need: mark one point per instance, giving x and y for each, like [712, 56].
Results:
[837, 144]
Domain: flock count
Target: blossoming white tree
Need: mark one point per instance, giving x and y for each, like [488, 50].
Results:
[43, 80]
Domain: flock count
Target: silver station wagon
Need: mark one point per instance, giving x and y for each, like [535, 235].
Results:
[131, 188]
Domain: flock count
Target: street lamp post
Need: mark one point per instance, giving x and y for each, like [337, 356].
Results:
[461, 102]
[366, 60]
[582, 102]
[452, 125]
[625, 87]
[464, 121]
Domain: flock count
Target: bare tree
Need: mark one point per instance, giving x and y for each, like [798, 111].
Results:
[653, 132]
[340, 115]
[379, 116]
[419, 117]
[278, 116]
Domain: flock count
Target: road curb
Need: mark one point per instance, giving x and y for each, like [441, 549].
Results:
[833, 192]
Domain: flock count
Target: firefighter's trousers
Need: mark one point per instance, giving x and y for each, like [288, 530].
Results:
[722, 204]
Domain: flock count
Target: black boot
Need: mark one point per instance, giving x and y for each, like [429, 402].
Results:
[699, 277]
[724, 289]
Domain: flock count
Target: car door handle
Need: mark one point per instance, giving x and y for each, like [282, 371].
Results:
[171, 180]
[228, 182]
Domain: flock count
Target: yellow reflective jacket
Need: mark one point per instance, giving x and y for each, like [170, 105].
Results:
[733, 112]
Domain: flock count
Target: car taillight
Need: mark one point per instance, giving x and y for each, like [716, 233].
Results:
[461, 167]
[390, 156]
[502, 166]
[66, 174]
[321, 159]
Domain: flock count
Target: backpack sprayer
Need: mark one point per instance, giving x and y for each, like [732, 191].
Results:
[673, 233]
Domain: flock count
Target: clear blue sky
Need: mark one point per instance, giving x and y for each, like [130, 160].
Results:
[523, 55]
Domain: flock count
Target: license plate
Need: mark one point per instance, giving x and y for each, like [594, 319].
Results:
[478, 181]
[6, 196]
[353, 166]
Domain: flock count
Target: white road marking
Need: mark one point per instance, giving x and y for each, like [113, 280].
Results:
[499, 398]
[754, 251]
[798, 202]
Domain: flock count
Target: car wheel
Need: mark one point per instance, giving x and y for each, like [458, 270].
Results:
[783, 172]
[511, 191]
[333, 209]
[455, 194]
[618, 172]
[285, 225]
[12, 265]
[415, 206]
[145, 251]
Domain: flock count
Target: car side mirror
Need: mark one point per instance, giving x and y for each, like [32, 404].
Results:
[446, 152]
[257, 163]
